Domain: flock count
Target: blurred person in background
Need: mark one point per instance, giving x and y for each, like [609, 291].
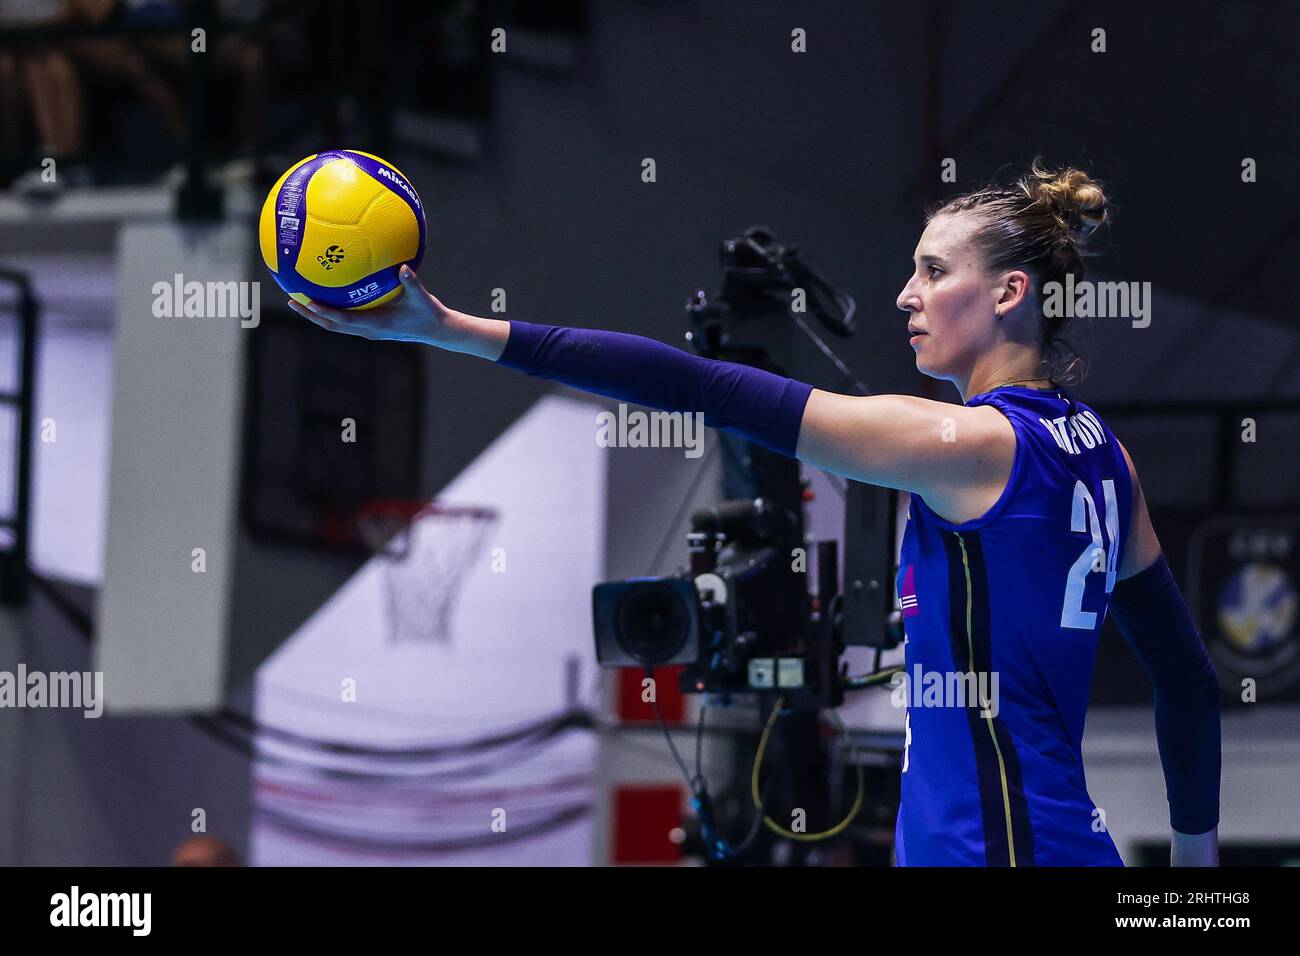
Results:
[49, 89]
[239, 64]
[123, 58]
[155, 64]
[39, 84]
[46, 81]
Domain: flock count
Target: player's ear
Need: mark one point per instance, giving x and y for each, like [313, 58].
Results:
[1014, 290]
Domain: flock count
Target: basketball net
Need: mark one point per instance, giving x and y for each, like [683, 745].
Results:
[425, 550]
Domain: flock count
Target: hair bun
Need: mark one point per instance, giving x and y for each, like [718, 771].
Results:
[1077, 201]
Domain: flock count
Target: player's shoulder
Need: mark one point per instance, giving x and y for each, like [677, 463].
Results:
[1052, 419]
[1082, 413]
[1132, 470]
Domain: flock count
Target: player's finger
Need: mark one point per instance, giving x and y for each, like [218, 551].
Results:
[310, 316]
[324, 311]
[410, 280]
[414, 286]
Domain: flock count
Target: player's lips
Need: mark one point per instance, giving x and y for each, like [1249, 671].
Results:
[916, 334]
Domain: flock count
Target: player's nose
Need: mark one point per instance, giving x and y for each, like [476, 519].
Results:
[908, 300]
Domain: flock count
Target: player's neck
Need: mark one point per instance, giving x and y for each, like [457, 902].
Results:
[1018, 366]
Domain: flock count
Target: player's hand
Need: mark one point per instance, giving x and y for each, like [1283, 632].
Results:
[415, 317]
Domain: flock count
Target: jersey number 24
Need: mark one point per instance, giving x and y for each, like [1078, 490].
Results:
[1097, 556]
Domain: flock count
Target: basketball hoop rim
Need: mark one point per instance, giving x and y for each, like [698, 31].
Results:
[421, 575]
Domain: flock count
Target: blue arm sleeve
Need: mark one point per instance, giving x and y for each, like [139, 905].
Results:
[757, 405]
[1154, 619]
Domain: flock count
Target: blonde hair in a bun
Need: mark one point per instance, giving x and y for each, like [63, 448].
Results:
[1040, 223]
[1076, 200]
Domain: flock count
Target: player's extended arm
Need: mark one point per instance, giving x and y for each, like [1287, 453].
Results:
[1153, 617]
[758, 405]
[893, 440]
[761, 406]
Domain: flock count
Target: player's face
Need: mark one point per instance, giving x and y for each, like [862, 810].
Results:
[949, 299]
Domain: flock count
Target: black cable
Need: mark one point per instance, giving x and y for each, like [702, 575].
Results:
[351, 774]
[382, 774]
[400, 800]
[731, 851]
[699, 741]
[759, 812]
[227, 731]
[512, 835]
[539, 730]
[716, 845]
[526, 739]
[654, 704]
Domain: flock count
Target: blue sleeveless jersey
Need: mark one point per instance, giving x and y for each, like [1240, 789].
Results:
[1002, 616]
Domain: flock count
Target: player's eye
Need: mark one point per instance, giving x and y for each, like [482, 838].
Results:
[934, 271]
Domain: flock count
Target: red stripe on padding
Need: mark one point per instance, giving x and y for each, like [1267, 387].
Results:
[633, 710]
[644, 816]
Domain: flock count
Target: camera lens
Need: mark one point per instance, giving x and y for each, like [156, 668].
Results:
[652, 622]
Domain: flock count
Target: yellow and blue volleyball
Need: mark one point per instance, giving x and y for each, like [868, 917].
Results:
[338, 225]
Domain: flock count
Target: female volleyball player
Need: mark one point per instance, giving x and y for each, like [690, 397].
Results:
[1026, 524]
